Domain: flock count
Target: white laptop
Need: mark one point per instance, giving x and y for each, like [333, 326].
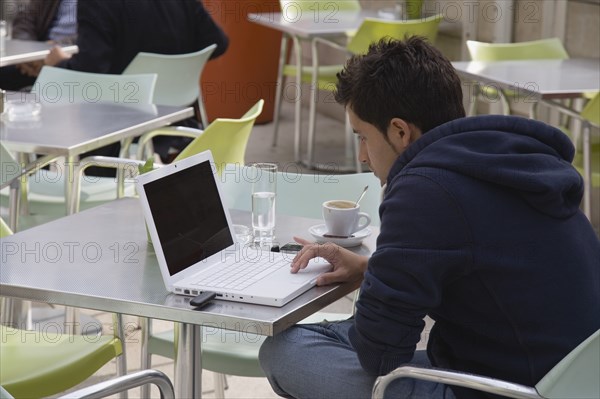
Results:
[196, 247]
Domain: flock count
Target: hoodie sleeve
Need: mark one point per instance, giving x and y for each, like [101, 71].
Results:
[424, 244]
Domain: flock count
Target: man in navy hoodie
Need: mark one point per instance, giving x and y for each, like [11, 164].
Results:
[480, 230]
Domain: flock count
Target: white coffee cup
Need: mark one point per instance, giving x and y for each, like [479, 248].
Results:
[342, 218]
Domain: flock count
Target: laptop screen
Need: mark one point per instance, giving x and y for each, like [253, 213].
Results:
[188, 215]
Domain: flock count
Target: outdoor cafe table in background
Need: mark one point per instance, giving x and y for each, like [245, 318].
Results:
[16, 51]
[100, 259]
[536, 80]
[307, 25]
[72, 129]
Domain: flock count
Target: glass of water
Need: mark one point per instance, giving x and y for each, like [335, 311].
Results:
[264, 189]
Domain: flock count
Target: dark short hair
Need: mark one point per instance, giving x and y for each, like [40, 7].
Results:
[408, 79]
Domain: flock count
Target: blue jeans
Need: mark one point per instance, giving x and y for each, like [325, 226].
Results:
[317, 361]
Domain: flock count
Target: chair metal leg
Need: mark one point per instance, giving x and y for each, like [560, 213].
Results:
[298, 102]
[13, 205]
[16, 312]
[23, 200]
[355, 145]
[533, 111]
[146, 356]
[134, 380]
[219, 381]
[279, 87]
[202, 109]
[72, 324]
[477, 92]
[505, 104]
[125, 147]
[473, 100]
[448, 377]
[312, 118]
[122, 359]
[587, 172]
[70, 166]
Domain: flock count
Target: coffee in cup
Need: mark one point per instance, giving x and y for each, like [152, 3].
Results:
[342, 218]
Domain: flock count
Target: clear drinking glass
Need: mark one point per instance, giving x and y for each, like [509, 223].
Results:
[264, 189]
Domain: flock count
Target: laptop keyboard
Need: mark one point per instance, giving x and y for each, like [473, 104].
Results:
[242, 274]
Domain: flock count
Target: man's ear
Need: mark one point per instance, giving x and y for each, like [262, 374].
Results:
[399, 134]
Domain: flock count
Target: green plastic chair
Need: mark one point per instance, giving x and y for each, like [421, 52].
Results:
[575, 376]
[413, 8]
[43, 363]
[292, 187]
[226, 138]
[117, 385]
[126, 382]
[532, 50]
[233, 353]
[178, 81]
[4, 229]
[370, 31]
[65, 86]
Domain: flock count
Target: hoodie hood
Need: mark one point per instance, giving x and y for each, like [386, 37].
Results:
[526, 156]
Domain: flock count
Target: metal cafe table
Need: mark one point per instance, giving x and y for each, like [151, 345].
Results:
[72, 129]
[100, 259]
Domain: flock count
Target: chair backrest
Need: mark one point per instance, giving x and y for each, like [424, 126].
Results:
[226, 138]
[4, 229]
[33, 367]
[372, 30]
[413, 8]
[293, 6]
[532, 50]
[64, 86]
[292, 189]
[302, 194]
[576, 376]
[591, 111]
[178, 81]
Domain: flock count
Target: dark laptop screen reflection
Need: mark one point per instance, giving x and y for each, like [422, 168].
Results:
[188, 216]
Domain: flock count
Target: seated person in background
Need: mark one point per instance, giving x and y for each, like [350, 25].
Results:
[112, 32]
[480, 230]
[40, 20]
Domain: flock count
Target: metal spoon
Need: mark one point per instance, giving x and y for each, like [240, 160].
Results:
[361, 195]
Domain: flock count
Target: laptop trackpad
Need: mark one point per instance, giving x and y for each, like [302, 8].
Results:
[315, 268]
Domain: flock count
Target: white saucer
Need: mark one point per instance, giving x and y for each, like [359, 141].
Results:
[318, 230]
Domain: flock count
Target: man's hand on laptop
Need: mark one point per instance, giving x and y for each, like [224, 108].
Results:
[347, 266]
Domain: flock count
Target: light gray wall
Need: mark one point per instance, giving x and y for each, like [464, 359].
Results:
[583, 28]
